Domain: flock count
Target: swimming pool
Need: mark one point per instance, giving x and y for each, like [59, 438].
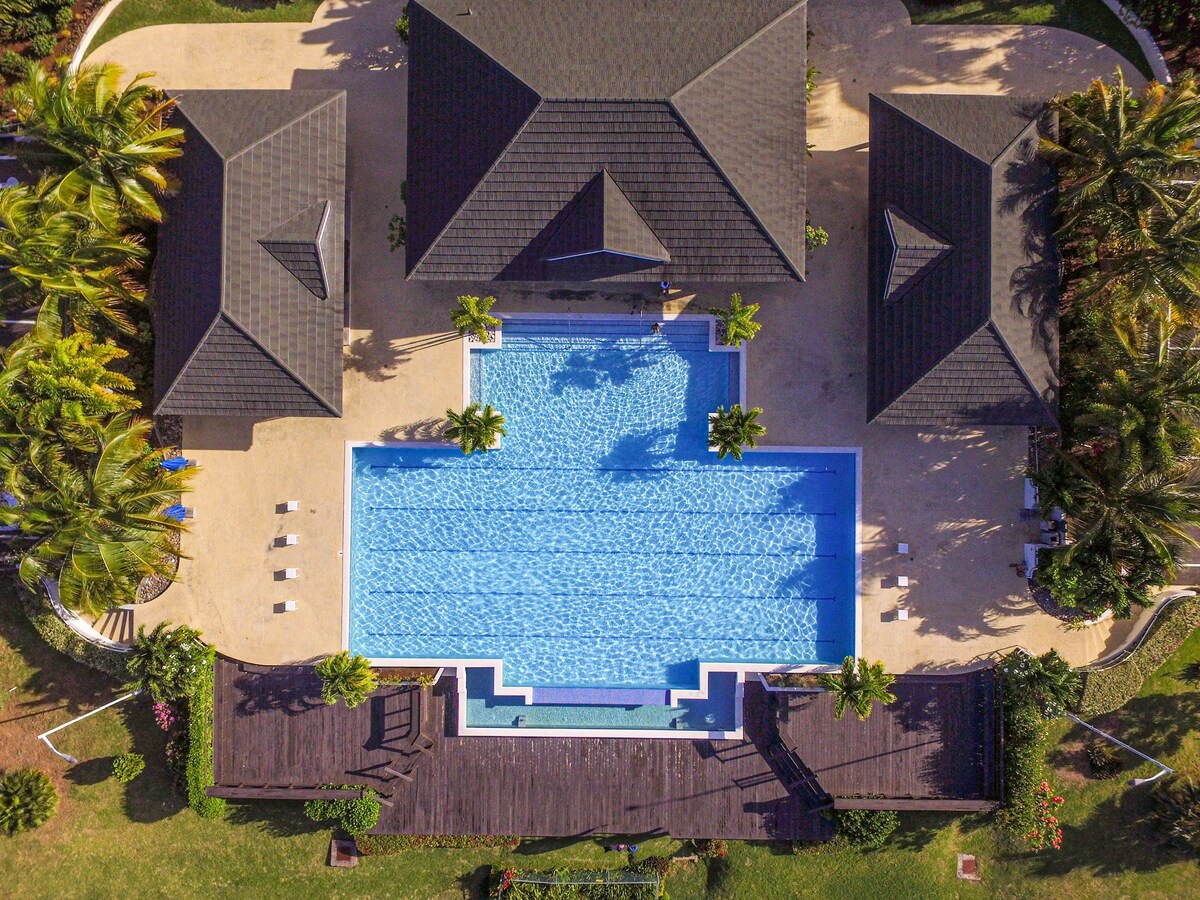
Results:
[604, 545]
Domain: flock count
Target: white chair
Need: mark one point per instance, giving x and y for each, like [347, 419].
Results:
[901, 615]
[289, 574]
[290, 539]
[292, 506]
[901, 581]
[289, 605]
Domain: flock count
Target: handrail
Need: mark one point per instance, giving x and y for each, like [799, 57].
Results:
[1123, 653]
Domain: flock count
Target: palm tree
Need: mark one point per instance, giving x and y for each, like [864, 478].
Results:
[739, 320]
[166, 664]
[1047, 680]
[107, 143]
[27, 799]
[1117, 152]
[99, 519]
[474, 428]
[1150, 398]
[1120, 511]
[58, 385]
[346, 677]
[58, 250]
[472, 316]
[858, 687]
[729, 432]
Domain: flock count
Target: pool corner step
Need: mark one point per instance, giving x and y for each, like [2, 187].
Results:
[600, 696]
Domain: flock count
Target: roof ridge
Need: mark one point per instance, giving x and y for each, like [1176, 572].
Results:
[738, 49]
[609, 175]
[499, 65]
[228, 317]
[1032, 123]
[187, 362]
[754, 216]
[478, 184]
[333, 95]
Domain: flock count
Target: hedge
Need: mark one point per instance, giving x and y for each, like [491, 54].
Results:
[200, 744]
[387, 844]
[1106, 690]
[54, 632]
[1025, 737]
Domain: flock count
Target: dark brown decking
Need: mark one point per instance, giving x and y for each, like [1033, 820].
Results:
[273, 730]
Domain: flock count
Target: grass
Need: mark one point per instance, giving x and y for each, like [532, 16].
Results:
[139, 13]
[142, 836]
[1088, 17]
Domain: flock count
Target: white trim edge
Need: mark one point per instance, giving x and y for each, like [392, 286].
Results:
[1145, 41]
[89, 34]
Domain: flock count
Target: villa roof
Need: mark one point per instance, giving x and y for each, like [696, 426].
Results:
[692, 111]
[249, 276]
[963, 305]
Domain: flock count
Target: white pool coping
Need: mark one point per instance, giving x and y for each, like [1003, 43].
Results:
[675, 695]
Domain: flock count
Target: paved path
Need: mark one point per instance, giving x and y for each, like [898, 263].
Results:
[953, 496]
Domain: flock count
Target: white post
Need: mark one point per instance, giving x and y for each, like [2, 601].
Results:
[45, 735]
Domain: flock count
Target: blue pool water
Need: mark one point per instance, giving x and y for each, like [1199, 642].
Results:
[604, 544]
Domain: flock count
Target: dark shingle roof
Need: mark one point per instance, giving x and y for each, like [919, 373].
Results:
[695, 108]
[249, 275]
[962, 268]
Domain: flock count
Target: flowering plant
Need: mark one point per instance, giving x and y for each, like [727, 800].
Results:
[1046, 832]
[164, 715]
[506, 879]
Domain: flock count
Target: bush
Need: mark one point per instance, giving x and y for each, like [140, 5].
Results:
[12, 64]
[42, 45]
[200, 745]
[356, 815]
[711, 849]
[815, 237]
[661, 866]
[64, 17]
[867, 828]
[1104, 760]
[1106, 690]
[27, 799]
[128, 766]
[1176, 812]
[402, 26]
[388, 844]
[1024, 763]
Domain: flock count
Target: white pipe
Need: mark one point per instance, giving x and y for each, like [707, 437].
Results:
[45, 735]
[1109, 737]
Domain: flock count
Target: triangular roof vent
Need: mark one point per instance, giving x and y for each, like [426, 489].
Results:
[296, 245]
[603, 221]
[916, 248]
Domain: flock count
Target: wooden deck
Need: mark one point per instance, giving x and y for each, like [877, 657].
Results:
[272, 730]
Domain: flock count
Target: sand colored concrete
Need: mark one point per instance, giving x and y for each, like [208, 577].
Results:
[953, 496]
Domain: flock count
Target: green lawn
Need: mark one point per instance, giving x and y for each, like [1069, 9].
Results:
[1090, 17]
[139, 13]
[141, 838]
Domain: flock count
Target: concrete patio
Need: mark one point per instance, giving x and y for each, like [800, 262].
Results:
[953, 496]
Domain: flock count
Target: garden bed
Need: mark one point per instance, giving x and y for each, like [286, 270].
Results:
[56, 24]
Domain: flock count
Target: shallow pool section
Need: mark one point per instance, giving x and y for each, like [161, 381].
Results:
[604, 545]
[716, 713]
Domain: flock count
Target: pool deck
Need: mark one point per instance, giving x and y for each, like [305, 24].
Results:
[953, 496]
[934, 748]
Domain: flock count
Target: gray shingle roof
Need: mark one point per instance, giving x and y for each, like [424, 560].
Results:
[694, 107]
[962, 270]
[249, 275]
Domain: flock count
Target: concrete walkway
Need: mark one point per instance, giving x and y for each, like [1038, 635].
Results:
[953, 496]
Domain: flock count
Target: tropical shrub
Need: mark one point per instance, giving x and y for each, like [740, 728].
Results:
[42, 45]
[858, 686]
[1047, 830]
[815, 237]
[12, 64]
[475, 429]
[402, 26]
[167, 664]
[473, 316]
[713, 848]
[200, 744]
[1106, 690]
[356, 815]
[388, 844]
[729, 432]
[1025, 741]
[346, 677]
[1176, 811]
[27, 799]
[1048, 682]
[397, 232]
[866, 828]
[1104, 760]
[737, 321]
[128, 766]
[24, 19]
[1093, 583]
